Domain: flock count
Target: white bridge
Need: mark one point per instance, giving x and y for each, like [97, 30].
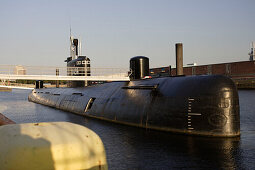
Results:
[18, 72]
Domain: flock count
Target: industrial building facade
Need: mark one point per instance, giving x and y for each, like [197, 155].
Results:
[242, 72]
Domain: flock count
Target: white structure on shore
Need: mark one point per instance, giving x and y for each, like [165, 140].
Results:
[252, 53]
[192, 64]
[19, 70]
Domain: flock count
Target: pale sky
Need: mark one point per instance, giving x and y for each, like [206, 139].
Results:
[34, 32]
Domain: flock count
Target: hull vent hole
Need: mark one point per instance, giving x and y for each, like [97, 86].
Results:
[90, 103]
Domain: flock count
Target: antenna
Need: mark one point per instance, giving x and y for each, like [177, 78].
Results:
[71, 42]
[70, 25]
[73, 45]
[80, 48]
[253, 50]
[70, 30]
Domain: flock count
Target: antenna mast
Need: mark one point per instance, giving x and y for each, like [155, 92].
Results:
[73, 46]
[80, 48]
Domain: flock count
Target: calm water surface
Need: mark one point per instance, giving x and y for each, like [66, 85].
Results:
[134, 148]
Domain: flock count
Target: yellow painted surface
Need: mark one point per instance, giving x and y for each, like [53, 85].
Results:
[53, 145]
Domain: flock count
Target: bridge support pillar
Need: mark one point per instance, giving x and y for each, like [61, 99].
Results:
[57, 74]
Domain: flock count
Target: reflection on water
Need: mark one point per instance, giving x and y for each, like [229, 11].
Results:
[134, 148]
[137, 148]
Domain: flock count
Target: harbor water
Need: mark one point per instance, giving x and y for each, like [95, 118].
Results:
[136, 148]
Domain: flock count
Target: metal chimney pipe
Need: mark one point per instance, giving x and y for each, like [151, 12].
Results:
[179, 59]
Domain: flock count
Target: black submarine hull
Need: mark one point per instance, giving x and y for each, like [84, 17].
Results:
[196, 105]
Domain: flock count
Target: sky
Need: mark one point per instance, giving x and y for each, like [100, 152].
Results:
[36, 33]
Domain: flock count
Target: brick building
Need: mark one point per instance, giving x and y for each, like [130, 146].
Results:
[235, 70]
[242, 73]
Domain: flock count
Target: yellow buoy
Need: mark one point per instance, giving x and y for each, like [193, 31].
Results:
[53, 145]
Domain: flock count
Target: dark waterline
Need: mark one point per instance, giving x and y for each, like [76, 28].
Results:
[134, 148]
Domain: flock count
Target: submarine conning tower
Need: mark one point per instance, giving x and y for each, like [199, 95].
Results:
[77, 65]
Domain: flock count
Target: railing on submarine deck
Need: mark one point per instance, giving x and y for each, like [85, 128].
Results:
[64, 73]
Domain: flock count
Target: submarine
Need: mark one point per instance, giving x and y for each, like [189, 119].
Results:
[204, 105]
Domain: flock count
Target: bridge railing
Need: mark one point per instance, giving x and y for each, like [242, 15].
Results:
[62, 71]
